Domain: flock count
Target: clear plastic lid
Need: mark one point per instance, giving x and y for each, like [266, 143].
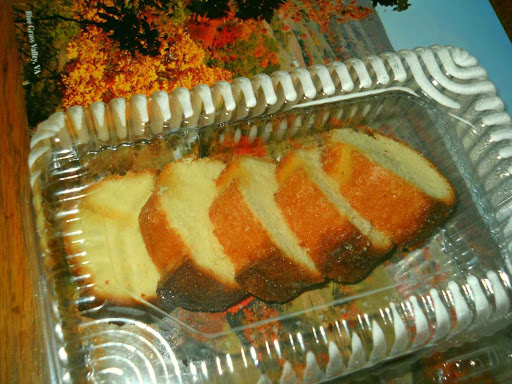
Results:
[99, 327]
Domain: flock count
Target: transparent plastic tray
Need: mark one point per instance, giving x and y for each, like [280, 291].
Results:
[454, 289]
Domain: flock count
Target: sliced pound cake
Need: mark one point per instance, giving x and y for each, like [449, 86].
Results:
[104, 244]
[391, 185]
[175, 224]
[268, 259]
[342, 244]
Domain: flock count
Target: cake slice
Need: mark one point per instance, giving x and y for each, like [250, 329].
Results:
[268, 259]
[103, 242]
[175, 224]
[120, 197]
[391, 185]
[342, 244]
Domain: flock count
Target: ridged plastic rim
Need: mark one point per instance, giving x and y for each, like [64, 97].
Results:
[448, 76]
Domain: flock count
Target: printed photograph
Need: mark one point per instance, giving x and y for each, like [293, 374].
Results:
[75, 52]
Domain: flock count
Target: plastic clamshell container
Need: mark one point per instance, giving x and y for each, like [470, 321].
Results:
[453, 289]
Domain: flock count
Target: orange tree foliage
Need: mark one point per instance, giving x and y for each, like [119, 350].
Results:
[192, 50]
[323, 12]
[241, 46]
[99, 70]
[189, 49]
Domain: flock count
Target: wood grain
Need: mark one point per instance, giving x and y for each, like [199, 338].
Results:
[20, 351]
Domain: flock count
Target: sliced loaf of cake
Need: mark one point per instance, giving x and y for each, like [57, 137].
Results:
[342, 244]
[268, 259]
[391, 185]
[103, 242]
[196, 272]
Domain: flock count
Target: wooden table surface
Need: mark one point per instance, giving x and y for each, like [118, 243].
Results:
[20, 349]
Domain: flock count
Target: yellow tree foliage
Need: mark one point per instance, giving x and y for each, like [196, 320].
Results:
[242, 46]
[181, 48]
[99, 70]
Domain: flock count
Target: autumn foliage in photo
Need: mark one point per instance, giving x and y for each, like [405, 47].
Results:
[97, 50]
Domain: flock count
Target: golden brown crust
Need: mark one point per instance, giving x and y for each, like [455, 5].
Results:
[183, 282]
[232, 170]
[239, 232]
[329, 237]
[337, 248]
[391, 204]
[374, 134]
[229, 173]
[164, 245]
[450, 202]
[260, 266]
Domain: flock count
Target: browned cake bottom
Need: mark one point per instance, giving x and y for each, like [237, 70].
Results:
[192, 288]
[183, 282]
[391, 204]
[331, 239]
[260, 266]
